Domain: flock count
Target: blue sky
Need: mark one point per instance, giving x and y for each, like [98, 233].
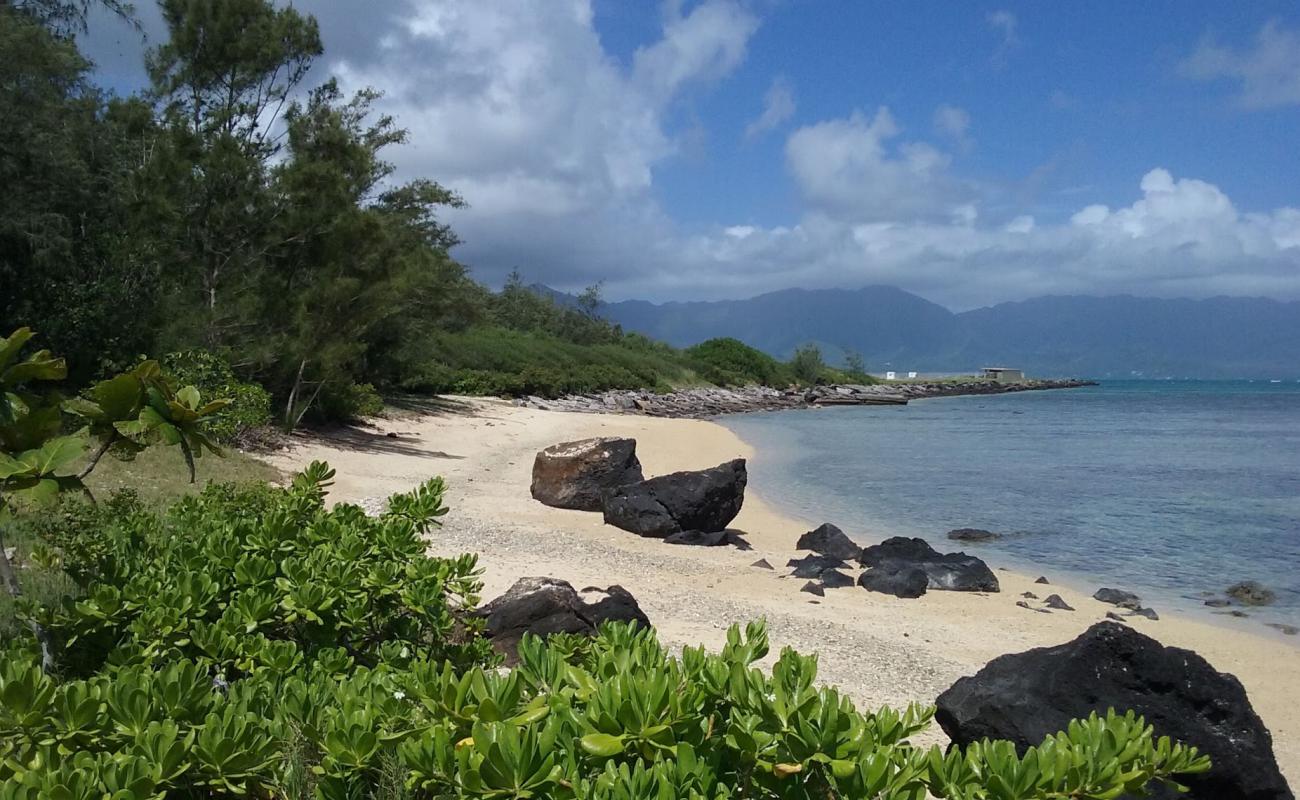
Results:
[721, 148]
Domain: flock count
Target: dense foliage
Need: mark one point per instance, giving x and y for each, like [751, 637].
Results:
[237, 578]
[613, 718]
[730, 362]
[248, 404]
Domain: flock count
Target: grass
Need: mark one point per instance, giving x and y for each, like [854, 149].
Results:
[158, 475]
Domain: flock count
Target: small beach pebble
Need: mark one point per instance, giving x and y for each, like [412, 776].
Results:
[1149, 613]
[762, 564]
[1114, 616]
[1041, 579]
[1029, 595]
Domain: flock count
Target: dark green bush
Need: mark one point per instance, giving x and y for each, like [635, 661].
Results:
[348, 401]
[250, 404]
[502, 362]
[731, 362]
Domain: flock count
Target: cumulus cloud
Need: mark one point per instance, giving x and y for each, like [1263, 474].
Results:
[1268, 70]
[551, 140]
[851, 168]
[1181, 237]
[778, 106]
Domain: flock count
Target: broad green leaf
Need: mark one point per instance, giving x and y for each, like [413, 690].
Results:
[602, 744]
[42, 491]
[119, 397]
[10, 466]
[10, 346]
[42, 366]
[188, 397]
[54, 454]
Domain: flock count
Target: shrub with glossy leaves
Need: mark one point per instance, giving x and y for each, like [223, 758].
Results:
[612, 718]
[244, 578]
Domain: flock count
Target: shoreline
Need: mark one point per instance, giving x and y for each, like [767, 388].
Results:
[878, 649]
[711, 402]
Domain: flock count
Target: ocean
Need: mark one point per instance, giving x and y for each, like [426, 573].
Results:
[1171, 489]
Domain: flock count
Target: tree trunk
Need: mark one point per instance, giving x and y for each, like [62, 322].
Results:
[10, 580]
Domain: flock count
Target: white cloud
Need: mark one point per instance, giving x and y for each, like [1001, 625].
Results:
[519, 107]
[849, 168]
[1269, 71]
[953, 123]
[1005, 24]
[1021, 224]
[778, 106]
[1181, 237]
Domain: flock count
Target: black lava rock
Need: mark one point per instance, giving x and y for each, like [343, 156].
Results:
[829, 541]
[542, 606]
[1024, 697]
[955, 572]
[905, 582]
[1118, 597]
[704, 500]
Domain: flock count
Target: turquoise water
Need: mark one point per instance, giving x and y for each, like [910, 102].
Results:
[1166, 488]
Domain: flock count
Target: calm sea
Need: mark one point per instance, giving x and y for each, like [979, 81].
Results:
[1166, 488]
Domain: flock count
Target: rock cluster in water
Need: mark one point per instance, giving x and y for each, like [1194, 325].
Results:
[712, 402]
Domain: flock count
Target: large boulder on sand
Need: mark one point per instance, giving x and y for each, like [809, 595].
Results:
[829, 541]
[1024, 697]
[955, 572]
[905, 582]
[576, 474]
[704, 500]
[542, 606]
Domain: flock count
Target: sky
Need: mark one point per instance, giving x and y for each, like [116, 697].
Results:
[716, 149]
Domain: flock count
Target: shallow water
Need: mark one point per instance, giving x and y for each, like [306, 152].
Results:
[1166, 488]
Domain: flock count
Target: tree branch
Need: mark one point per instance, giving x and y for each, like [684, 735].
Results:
[94, 459]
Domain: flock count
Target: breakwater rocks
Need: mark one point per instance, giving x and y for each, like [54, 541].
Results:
[712, 402]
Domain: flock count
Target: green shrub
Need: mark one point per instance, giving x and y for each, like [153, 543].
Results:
[613, 718]
[731, 362]
[500, 362]
[250, 404]
[348, 401]
[239, 577]
[807, 364]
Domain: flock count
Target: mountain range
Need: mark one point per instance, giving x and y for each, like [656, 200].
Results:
[1052, 336]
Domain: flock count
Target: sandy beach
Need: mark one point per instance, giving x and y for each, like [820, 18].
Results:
[879, 649]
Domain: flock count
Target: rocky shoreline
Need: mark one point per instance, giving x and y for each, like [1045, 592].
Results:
[703, 403]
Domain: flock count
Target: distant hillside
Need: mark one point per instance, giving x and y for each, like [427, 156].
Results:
[1222, 337]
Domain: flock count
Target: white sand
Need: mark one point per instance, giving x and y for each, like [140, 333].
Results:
[878, 649]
